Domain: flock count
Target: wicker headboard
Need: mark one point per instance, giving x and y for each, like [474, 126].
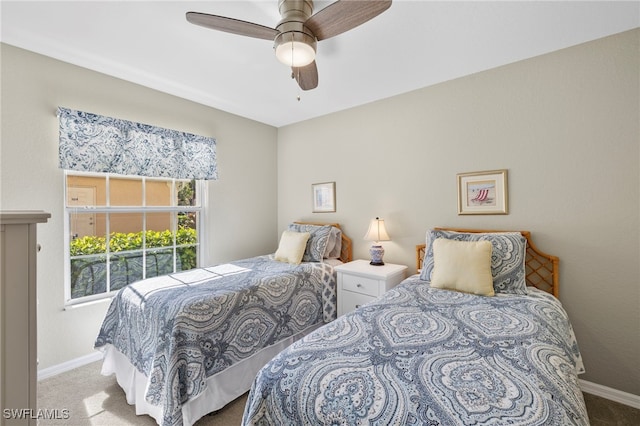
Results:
[346, 253]
[541, 269]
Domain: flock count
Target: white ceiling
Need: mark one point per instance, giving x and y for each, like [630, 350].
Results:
[412, 45]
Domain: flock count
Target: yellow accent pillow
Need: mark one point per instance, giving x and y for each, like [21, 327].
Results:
[292, 246]
[462, 266]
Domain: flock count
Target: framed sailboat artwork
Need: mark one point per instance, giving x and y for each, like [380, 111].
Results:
[483, 192]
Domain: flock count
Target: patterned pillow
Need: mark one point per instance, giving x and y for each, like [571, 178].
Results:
[507, 257]
[334, 248]
[318, 241]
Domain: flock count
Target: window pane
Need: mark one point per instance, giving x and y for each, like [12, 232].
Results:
[126, 245]
[87, 251]
[87, 233]
[187, 241]
[186, 190]
[160, 234]
[88, 275]
[125, 223]
[187, 258]
[161, 223]
[85, 191]
[159, 262]
[158, 192]
[125, 192]
[187, 220]
[84, 224]
[125, 268]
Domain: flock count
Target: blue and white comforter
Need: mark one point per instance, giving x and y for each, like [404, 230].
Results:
[423, 356]
[181, 328]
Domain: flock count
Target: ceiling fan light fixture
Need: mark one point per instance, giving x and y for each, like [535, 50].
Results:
[295, 49]
[296, 35]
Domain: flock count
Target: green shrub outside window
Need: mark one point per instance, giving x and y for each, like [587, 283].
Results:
[89, 260]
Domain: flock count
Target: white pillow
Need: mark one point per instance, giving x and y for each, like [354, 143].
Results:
[292, 246]
[462, 266]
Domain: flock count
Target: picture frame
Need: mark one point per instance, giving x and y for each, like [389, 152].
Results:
[483, 192]
[324, 197]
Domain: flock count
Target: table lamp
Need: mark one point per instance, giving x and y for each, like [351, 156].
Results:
[376, 233]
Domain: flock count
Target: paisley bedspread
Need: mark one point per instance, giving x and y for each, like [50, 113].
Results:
[181, 328]
[423, 356]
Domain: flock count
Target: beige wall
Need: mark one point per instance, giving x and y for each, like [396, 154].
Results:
[565, 125]
[33, 86]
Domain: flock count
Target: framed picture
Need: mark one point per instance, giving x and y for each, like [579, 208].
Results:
[324, 197]
[483, 192]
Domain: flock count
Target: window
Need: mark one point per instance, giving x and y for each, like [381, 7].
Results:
[132, 200]
[122, 229]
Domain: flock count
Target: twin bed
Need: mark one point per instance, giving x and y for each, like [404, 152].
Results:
[420, 354]
[186, 344]
[423, 354]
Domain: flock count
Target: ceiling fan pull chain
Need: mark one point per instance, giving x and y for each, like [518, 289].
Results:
[294, 69]
[298, 97]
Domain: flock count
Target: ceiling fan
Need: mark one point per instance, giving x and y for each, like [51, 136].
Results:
[296, 35]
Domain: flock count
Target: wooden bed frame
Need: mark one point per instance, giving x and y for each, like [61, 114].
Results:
[346, 253]
[541, 268]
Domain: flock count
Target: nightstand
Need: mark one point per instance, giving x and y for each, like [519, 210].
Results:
[360, 283]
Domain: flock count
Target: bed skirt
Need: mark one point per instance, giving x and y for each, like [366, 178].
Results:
[221, 389]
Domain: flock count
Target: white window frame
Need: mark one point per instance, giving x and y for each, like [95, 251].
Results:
[201, 209]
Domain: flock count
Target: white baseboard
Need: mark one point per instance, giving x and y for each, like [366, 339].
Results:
[45, 373]
[610, 393]
[588, 387]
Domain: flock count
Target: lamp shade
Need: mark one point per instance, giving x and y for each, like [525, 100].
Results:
[377, 231]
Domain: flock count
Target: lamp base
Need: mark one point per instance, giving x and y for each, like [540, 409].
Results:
[376, 253]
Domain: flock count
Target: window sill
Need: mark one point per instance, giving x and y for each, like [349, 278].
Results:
[71, 306]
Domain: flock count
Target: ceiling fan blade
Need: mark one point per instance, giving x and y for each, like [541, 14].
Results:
[230, 25]
[307, 76]
[344, 15]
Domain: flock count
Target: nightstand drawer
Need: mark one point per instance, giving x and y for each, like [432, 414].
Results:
[360, 284]
[351, 301]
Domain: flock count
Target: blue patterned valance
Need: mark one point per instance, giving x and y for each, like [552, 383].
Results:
[94, 143]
